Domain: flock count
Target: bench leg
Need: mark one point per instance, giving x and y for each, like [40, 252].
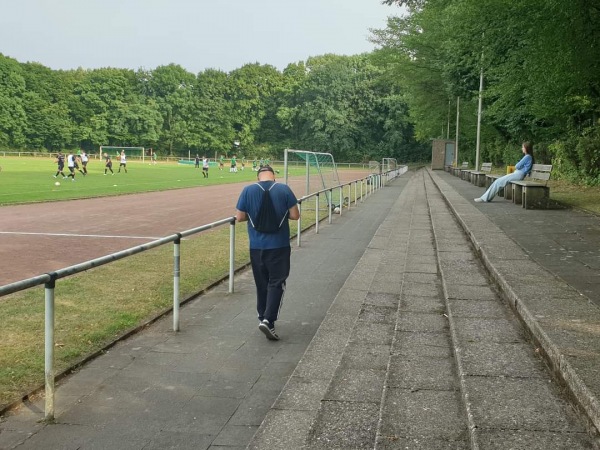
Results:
[517, 193]
[536, 197]
[508, 192]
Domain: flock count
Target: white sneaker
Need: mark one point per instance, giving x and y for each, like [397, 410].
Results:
[479, 200]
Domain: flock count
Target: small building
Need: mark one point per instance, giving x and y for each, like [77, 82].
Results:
[442, 153]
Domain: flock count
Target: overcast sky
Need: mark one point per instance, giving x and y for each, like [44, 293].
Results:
[196, 34]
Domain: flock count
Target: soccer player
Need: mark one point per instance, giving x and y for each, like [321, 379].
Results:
[78, 161]
[205, 167]
[153, 157]
[84, 162]
[221, 162]
[60, 161]
[197, 162]
[71, 165]
[233, 167]
[123, 161]
[108, 164]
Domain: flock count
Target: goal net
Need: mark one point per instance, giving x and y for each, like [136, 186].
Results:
[131, 152]
[319, 169]
[388, 164]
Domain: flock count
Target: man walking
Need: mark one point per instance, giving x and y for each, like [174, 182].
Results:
[269, 234]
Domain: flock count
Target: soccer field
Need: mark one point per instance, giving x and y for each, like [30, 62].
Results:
[27, 180]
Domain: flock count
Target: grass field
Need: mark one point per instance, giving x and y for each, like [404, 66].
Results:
[26, 180]
[91, 309]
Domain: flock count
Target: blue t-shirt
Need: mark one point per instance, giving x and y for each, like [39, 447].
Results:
[525, 164]
[250, 201]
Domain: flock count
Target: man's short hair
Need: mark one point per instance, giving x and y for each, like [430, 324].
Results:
[266, 168]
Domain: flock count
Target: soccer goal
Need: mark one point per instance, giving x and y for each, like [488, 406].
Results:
[131, 152]
[388, 164]
[320, 169]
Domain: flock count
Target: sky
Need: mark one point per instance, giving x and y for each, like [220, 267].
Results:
[196, 34]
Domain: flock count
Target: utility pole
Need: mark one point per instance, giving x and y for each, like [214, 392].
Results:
[456, 137]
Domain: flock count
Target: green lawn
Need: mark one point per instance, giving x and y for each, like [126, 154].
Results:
[26, 180]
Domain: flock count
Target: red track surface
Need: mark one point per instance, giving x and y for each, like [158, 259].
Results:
[71, 232]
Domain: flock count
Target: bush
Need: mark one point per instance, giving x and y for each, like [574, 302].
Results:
[588, 153]
[577, 159]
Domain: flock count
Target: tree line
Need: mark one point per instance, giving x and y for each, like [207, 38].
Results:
[540, 61]
[338, 104]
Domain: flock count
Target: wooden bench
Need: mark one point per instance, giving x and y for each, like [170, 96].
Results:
[531, 194]
[458, 171]
[478, 176]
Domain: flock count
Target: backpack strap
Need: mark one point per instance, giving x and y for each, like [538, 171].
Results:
[260, 186]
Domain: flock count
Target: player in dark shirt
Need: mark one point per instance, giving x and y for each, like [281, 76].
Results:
[108, 164]
[60, 161]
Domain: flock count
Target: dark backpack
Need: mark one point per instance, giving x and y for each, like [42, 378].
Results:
[267, 220]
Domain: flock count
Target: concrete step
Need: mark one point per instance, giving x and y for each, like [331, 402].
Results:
[418, 351]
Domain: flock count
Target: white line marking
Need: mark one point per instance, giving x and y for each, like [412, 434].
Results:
[83, 235]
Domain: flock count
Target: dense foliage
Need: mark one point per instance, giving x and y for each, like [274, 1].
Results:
[541, 66]
[336, 104]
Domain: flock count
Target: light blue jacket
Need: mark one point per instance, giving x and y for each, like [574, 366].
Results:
[525, 164]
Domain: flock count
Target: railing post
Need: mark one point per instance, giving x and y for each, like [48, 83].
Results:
[361, 191]
[317, 214]
[231, 254]
[355, 193]
[299, 234]
[349, 195]
[341, 200]
[176, 279]
[49, 349]
[330, 204]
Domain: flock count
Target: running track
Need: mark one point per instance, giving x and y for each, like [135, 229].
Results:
[43, 237]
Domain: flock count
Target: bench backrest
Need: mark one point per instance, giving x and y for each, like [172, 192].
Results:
[541, 172]
[486, 167]
[465, 165]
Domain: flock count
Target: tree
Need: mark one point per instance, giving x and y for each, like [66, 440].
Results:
[213, 124]
[12, 112]
[251, 88]
[171, 87]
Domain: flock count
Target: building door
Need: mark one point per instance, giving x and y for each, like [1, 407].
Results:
[449, 158]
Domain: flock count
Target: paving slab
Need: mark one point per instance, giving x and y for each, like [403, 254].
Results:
[518, 403]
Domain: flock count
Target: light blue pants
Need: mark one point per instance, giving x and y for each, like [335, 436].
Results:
[501, 182]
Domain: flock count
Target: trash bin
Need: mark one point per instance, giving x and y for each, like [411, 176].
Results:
[510, 169]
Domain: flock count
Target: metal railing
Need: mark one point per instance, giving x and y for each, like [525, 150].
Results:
[368, 185]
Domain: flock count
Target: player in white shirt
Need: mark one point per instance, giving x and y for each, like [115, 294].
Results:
[123, 161]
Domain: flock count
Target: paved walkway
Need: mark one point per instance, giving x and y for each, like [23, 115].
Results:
[393, 336]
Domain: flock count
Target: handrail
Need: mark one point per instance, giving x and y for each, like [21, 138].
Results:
[370, 183]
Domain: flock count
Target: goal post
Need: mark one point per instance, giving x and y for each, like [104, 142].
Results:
[320, 169]
[115, 150]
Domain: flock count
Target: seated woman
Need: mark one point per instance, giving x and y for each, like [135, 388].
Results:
[522, 168]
